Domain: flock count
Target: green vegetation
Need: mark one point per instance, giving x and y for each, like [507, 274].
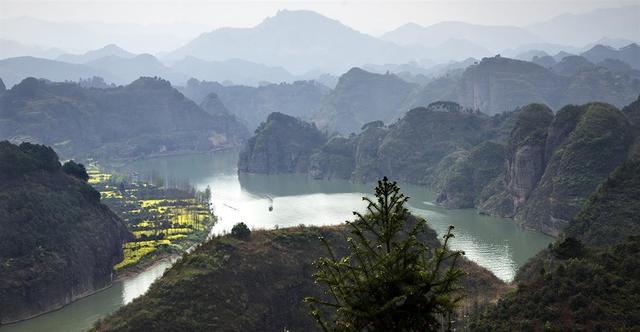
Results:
[282, 144]
[592, 143]
[254, 104]
[241, 231]
[77, 170]
[388, 282]
[146, 117]
[163, 221]
[259, 283]
[590, 278]
[361, 97]
[58, 242]
[461, 177]
[596, 291]
[611, 213]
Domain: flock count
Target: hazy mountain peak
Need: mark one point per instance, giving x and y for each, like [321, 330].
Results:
[297, 17]
[107, 50]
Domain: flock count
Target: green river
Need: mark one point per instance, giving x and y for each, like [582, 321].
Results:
[495, 243]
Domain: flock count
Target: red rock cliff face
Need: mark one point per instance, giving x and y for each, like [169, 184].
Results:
[525, 162]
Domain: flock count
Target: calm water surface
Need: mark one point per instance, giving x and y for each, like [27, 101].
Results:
[495, 243]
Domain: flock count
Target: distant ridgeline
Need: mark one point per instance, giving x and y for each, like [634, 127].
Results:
[529, 164]
[146, 117]
[492, 86]
[57, 241]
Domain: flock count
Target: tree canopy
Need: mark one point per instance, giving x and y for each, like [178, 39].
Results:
[391, 281]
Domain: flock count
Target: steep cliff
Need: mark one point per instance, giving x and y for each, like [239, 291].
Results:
[282, 144]
[590, 152]
[525, 161]
[589, 278]
[57, 241]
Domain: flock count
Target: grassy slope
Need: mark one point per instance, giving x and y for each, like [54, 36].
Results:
[233, 285]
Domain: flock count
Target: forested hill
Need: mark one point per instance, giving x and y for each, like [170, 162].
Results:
[145, 117]
[531, 164]
[590, 278]
[264, 277]
[57, 241]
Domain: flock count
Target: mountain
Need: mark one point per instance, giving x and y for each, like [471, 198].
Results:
[238, 71]
[145, 117]
[14, 70]
[57, 241]
[499, 84]
[587, 279]
[254, 104]
[128, 69]
[282, 144]
[582, 29]
[555, 162]
[108, 50]
[361, 97]
[12, 49]
[441, 128]
[629, 54]
[611, 208]
[194, 295]
[532, 165]
[82, 36]
[572, 65]
[492, 38]
[298, 41]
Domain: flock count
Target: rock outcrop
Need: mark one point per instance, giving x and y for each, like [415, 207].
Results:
[525, 160]
[587, 155]
[58, 243]
[282, 144]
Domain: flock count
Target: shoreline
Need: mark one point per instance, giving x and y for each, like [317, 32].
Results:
[118, 278]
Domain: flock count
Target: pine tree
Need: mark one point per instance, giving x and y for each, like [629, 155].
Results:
[390, 281]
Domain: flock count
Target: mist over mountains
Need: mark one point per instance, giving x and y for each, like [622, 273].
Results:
[296, 44]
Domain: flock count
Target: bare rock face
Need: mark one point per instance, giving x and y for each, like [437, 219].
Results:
[525, 162]
[598, 143]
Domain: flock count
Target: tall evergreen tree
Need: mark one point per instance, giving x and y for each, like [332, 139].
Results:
[390, 281]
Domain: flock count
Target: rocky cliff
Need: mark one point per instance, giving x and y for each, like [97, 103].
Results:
[588, 278]
[529, 164]
[555, 162]
[57, 241]
[525, 160]
[282, 144]
[598, 143]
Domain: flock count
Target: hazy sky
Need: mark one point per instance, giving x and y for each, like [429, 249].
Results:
[368, 16]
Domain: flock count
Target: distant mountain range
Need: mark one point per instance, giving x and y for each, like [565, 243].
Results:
[491, 38]
[299, 40]
[304, 41]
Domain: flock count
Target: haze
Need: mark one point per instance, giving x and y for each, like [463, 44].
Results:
[184, 20]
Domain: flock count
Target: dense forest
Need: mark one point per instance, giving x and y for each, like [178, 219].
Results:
[58, 242]
[530, 164]
[146, 117]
